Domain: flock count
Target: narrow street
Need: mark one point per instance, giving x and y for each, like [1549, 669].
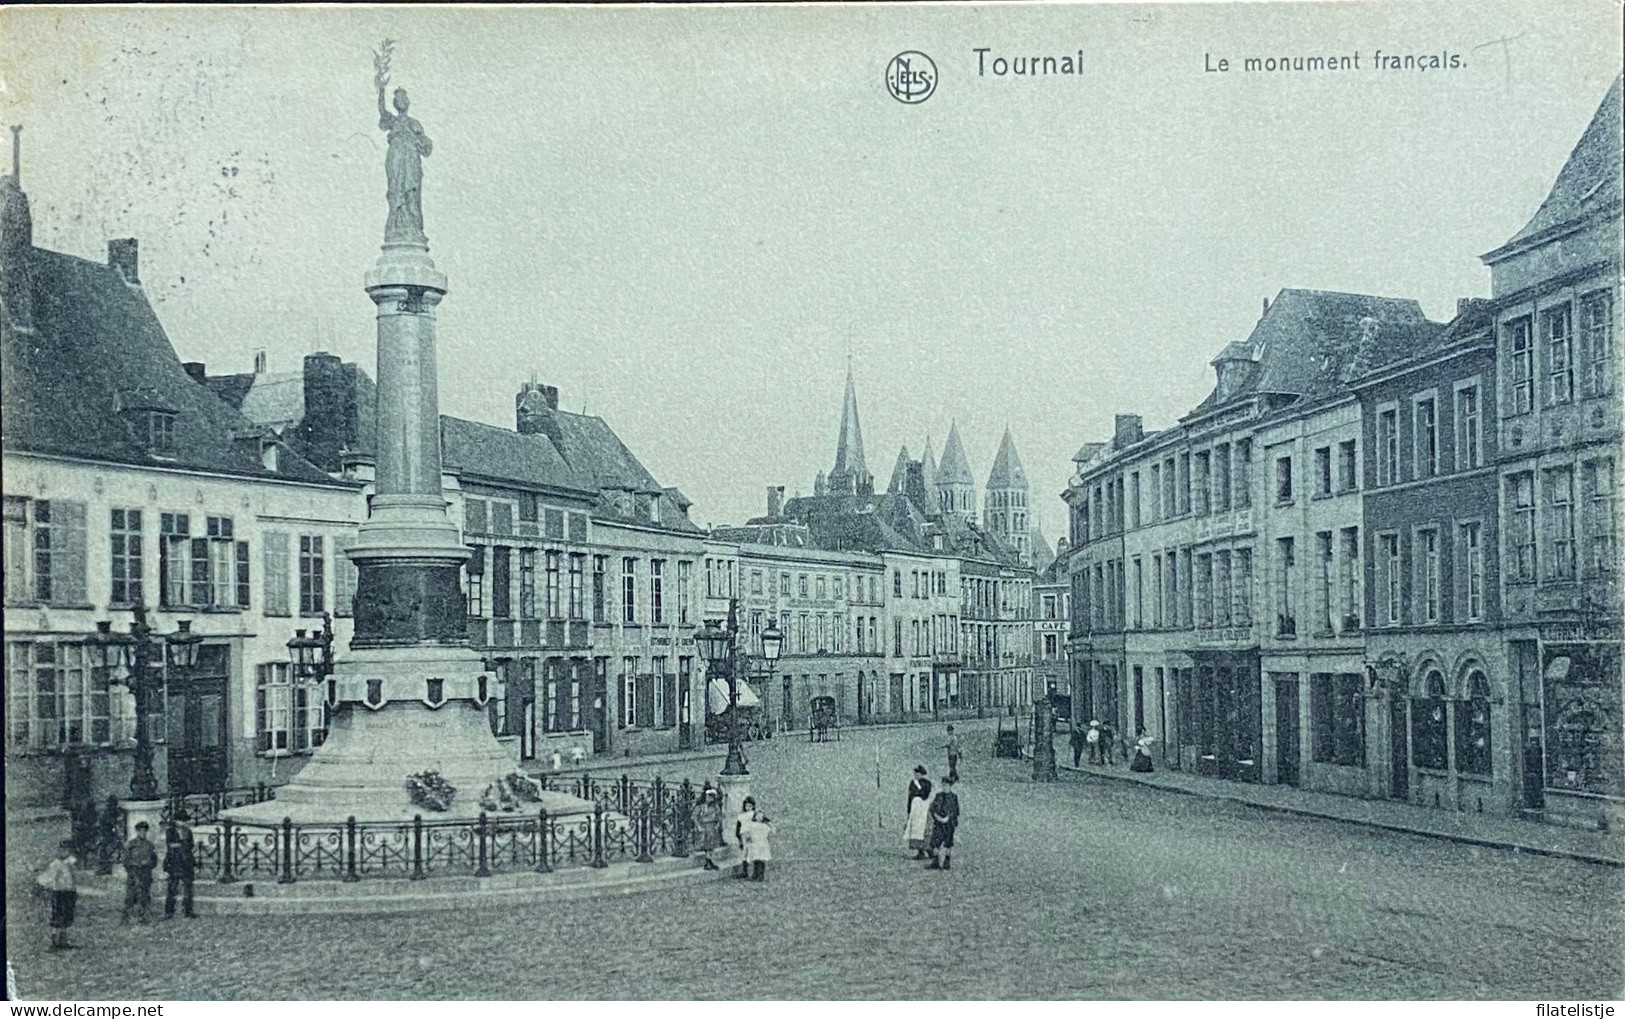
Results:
[1081, 889]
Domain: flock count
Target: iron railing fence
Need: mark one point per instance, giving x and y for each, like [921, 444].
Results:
[630, 821]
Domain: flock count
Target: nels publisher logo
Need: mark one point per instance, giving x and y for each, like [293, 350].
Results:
[911, 77]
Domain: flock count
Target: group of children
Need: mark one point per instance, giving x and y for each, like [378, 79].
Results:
[139, 857]
[752, 833]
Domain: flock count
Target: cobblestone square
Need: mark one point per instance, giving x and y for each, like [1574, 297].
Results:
[1078, 889]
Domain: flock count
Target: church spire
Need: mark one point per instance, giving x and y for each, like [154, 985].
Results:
[851, 474]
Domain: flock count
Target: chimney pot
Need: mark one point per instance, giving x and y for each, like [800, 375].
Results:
[259, 362]
[1266, 304]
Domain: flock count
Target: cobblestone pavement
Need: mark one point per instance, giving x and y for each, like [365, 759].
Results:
[1071, 890]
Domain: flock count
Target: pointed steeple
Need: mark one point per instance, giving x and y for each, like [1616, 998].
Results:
[956, 486]
[1007, 470]
[899, 473]
[929, 470]
[851, 474]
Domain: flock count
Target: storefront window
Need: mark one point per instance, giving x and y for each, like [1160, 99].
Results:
[1429, 725]
[1473, 727]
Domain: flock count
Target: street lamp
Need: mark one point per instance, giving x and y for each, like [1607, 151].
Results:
[719, 646]
[111, 651]
[312, 656]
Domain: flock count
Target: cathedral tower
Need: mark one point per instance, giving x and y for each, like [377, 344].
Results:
[956, 486]
[850, 475]
[1005, 501]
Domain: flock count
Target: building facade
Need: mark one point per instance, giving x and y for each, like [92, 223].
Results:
[127, 483]
[1555, 286]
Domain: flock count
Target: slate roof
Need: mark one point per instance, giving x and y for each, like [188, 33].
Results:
[1309, 340]
[1043, 555]
[1589, 180]
[96, 347]
[1007, 471]
[231, 389]
[954, 468]
[899, 472]
[488, 451]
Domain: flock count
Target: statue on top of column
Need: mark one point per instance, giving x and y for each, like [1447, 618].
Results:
[403, 166]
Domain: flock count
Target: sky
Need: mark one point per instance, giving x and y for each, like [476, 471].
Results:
[690, 219]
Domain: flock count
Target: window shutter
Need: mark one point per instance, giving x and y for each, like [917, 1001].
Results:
[276, 573]
[670, 713]
[561, 699]
[242, 575]
[262, 733]
[646, 700]
[300, 737]
[620, 685]
[344, 577]
[68, 553]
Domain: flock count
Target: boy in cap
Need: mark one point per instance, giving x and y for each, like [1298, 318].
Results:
[944, 819]
[140, 860]
[60, 880]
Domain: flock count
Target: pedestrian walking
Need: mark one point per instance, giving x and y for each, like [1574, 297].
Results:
[708, 821]
[747, 813]
[109, 836]
[180, 863]
[1142, 754]
[918, 827]
[1108, 742]
[952, 746]
[1079, 742]
[61, 881]
[1092, 737]
[757, 833]
[140, 860]
[944, 820]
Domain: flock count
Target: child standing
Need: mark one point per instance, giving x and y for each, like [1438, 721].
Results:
[60, 880]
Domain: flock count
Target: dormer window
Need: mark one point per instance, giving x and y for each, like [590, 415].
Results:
[161, 431]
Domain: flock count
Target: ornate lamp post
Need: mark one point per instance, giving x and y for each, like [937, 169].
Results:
[719, 646]
[312, 659]
[132, 653]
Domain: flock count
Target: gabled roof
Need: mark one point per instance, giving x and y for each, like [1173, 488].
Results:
[593, 448]
[96, 342]
[1589, 180]
[1007, 471]
[955, 468]
[487, 451]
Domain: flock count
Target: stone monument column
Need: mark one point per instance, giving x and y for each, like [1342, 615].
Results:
[411, 693]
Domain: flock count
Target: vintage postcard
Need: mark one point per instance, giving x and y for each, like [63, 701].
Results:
[835, 501]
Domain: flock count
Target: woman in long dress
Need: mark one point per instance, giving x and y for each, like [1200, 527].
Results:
[919, 811]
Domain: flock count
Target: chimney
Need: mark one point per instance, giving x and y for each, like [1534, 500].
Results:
[536, 412]
[775, 500]
[331, 414]
[1127, 429]
[197, 370]
[17, 155]
[1266, 306]
[259, 362]
[122, 255]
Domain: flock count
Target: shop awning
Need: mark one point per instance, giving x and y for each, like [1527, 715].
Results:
[717, 696]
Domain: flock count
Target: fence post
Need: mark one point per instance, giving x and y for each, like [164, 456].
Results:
[259, 793]
[598, 834]
[663, 838]
[644, 831]
[483, 869]
[287, 852]
[228, 841]
[417, 847]
[626, 795]
[349, 838]
[542, 864]
[682, 818]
